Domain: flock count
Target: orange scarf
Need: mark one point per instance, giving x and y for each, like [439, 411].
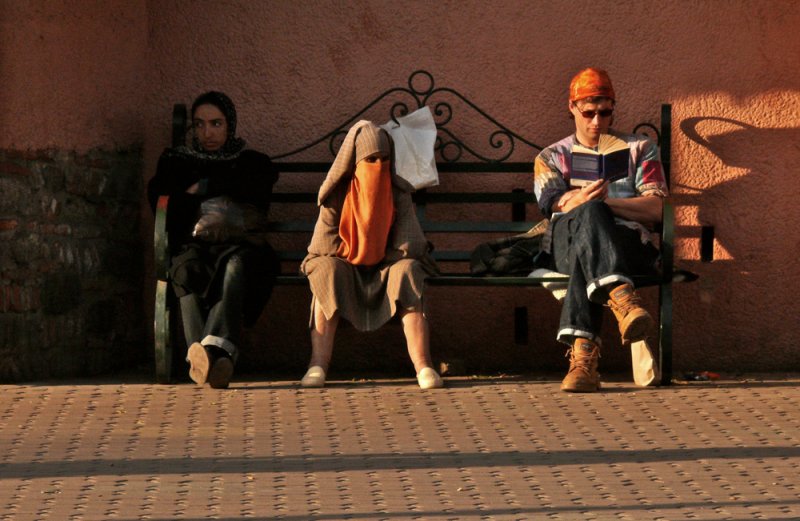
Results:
[367, 214]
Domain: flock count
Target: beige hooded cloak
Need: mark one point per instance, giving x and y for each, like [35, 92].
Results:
[366, 296]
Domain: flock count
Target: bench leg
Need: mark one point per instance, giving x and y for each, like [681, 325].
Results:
[162, 337]
[665, 332]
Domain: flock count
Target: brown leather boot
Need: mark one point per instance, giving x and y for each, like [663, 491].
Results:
[635, 323]
[582, 376]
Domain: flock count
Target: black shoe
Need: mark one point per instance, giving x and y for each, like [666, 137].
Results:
[221, 372]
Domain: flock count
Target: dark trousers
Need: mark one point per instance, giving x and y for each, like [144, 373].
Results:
[219, 324]
[598, 255]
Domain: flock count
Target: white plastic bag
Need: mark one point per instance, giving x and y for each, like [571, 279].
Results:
[645, 369]
[558, 289]
[414, 137]
[224, 220]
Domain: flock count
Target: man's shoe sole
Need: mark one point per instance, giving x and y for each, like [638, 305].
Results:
[199, 363]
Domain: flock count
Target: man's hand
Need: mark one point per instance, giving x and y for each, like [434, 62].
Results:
[193, 189]
[597, 191]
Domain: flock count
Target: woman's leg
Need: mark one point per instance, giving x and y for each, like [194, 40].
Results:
[197, 355]
[213, 352]
[223, 327]
[415, 327]
[322, 334]
[192, 318]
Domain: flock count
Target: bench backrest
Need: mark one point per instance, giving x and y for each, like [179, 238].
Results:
[483, 193]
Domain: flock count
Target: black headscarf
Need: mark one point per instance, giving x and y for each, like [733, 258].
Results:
[233, 145]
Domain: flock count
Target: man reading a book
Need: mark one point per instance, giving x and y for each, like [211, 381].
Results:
[603, 191]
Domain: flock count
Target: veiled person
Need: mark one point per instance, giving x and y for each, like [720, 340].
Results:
[368, 257]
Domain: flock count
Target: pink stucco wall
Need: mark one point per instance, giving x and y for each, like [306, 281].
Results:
[72, 73]
[110, 77]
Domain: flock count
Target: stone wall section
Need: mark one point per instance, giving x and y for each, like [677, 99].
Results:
[71, 262]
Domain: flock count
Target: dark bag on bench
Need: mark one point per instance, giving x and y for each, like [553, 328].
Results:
[509, 255]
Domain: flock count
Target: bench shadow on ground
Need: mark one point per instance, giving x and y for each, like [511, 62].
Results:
[483, 513]
[320, 463]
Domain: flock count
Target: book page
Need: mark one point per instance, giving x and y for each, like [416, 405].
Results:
[609, 143]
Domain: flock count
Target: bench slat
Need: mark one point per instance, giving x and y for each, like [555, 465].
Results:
[461, 279]
[290, 226]
[490, 167]
[474, 197]
[427, 197]
[438, 255]
[476, 227]
[427, 226]
[453, 279]
[297, 197]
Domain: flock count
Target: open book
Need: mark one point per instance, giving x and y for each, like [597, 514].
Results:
[609, 161]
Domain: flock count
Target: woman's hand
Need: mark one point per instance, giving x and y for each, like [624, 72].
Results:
[597, 191]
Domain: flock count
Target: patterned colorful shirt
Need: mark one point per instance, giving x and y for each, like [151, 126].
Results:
[552, 169]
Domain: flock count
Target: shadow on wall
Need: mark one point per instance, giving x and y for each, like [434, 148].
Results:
[755, 216]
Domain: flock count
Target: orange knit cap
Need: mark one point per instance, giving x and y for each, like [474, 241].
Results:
[589, 83]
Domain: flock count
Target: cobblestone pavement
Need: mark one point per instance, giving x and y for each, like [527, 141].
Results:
[488, 448]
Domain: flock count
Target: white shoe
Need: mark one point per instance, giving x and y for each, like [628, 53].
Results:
[429, 379]
[315, 377]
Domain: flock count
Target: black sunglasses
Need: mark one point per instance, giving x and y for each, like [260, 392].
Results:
[590, 114]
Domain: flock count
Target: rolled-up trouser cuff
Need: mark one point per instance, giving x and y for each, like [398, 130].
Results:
[567, 335]
[605, 282]
[222, 343]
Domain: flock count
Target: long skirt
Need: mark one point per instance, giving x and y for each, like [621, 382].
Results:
[367, 297]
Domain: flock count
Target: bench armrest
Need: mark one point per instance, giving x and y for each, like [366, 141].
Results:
[667, 240]
[161, 239]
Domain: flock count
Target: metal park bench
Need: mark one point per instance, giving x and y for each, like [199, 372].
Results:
[482, 193]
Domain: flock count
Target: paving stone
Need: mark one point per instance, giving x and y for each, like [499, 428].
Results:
[482, 449]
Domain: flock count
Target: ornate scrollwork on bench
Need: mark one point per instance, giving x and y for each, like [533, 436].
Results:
[450, 146]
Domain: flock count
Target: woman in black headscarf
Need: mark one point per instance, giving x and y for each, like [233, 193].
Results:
[222, 268]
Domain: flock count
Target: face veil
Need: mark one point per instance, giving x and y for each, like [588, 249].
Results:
[368, 211]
